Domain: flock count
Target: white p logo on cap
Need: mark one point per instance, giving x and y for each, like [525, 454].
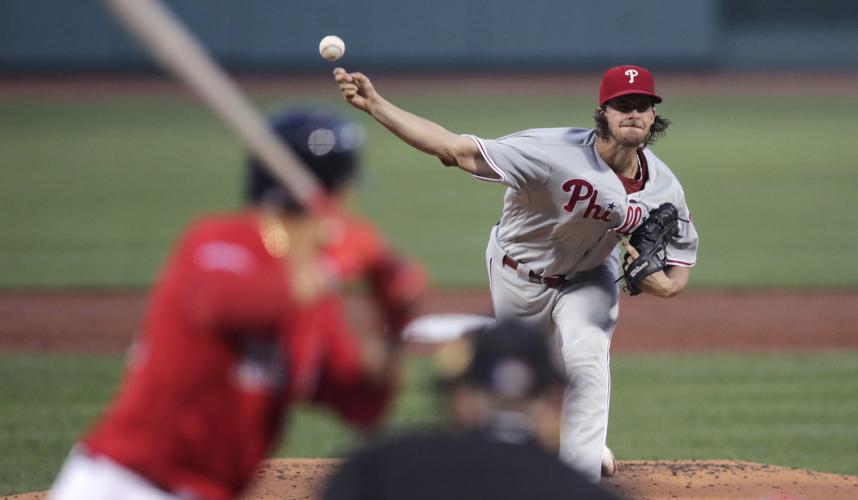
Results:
[631, 73]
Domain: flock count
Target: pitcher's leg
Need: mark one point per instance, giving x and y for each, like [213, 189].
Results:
[585, 316]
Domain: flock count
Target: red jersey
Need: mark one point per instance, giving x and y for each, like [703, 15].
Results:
[223, 353]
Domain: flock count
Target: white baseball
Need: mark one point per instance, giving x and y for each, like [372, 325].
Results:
[332, 48]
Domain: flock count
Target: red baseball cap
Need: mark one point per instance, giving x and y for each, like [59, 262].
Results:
[624, 80]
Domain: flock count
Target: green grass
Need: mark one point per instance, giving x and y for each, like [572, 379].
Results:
[47, 401]
[791, 410]
[783, 409]
[94, 190]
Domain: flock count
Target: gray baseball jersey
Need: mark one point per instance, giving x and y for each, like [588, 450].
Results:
[566, 210]
[564, 213]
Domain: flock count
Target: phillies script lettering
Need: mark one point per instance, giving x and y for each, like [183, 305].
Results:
[584, 191]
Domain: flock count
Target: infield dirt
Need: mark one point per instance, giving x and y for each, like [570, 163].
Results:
[104, 322]
[303, 479]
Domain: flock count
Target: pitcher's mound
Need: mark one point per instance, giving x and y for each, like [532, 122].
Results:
[301, 479]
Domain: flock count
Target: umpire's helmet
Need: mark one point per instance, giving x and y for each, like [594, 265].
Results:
[510, 360]
[327, 144]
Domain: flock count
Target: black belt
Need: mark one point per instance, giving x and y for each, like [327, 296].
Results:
[533, 277]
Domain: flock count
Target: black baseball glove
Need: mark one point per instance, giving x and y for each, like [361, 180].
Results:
[650, 240]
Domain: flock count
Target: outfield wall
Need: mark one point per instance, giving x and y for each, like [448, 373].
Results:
[282, 35]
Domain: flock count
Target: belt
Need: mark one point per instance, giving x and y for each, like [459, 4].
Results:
[533, 277]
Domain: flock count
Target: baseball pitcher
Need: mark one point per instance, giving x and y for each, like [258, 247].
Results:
[573, 195]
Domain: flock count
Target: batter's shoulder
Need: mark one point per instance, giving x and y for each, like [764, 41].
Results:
[236, 233]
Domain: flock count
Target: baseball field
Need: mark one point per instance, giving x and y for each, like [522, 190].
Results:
[747, 386]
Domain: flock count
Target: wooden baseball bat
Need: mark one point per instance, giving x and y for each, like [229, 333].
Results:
[172, 45]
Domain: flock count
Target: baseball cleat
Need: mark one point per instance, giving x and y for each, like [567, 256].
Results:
[609, 463]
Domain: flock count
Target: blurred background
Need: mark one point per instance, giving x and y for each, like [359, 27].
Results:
[264, 35]
[104, 159]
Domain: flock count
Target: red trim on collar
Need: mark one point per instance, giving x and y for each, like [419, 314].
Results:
[635, 185]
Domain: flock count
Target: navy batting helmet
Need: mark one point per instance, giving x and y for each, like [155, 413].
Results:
[327, 144]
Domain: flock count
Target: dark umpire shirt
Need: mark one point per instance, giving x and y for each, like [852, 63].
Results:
[447, 465]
